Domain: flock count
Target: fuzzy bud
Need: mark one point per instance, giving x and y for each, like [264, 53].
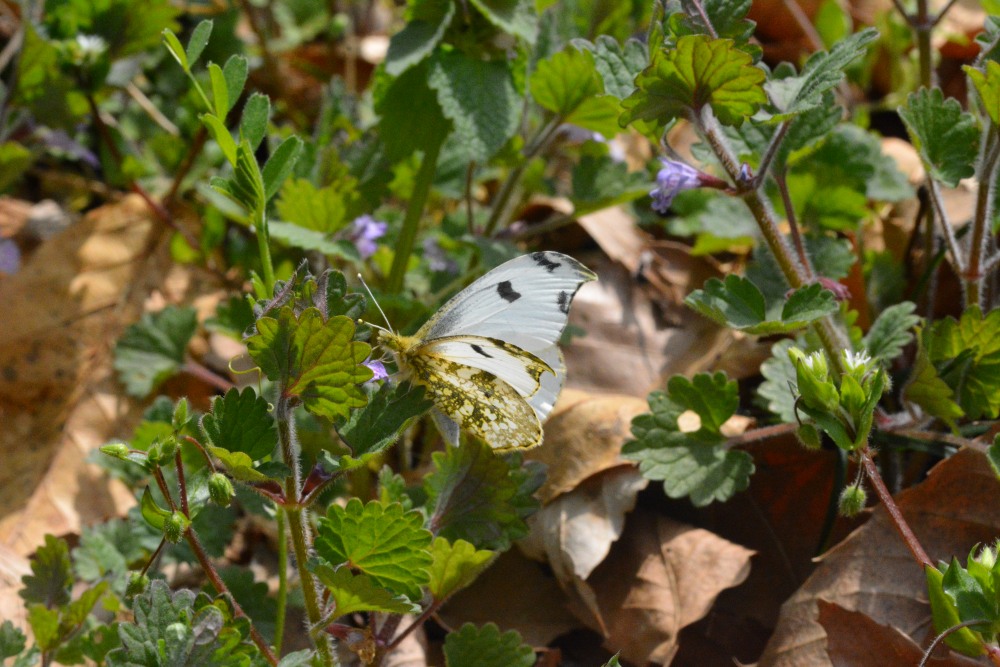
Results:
[137, 583]
[118, 450]
[852, 501]
[220, 489]
[174, 527]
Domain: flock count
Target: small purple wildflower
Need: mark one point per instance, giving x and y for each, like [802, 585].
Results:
[10, 257]
[365, 230]
[378, 368]
[436, 257]
[674, 178]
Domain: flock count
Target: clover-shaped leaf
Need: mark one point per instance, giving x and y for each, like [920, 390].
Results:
[316, 361]
[945, 136]
[693, 464]
[382, 541]
[240, 422]
[455, 566]
[700, 71]
[352, 593]
[738, 304]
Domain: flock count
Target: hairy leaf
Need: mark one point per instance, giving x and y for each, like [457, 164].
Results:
[945, 136]
[241, 422]
[353, 593]
[470, 646]
[152, 350]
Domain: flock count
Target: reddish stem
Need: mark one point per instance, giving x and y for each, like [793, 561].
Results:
[895, 515]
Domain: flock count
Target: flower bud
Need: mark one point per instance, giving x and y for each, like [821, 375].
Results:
[118, 450]
[174, 527]
[852, 501]
[180, 418]
[220, 489]
[137, 583]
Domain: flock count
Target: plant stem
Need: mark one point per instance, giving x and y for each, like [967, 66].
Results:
[895, 515]
[981, 223]
[922, 25]
[282, 598]
[259, 222]
[213, 576]
[411, 222]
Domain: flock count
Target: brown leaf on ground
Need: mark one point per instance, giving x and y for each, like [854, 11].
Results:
[58, 397]
[517, 594]
[873, 572]
[583, 436]
[856, 640]
[660, 577]
[13, 566]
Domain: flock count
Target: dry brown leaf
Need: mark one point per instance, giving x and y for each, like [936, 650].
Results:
[872, 571]
[58, 399]
[660, 577]
[516, 594]
[13, 566]
[583, 436]
[856, 640]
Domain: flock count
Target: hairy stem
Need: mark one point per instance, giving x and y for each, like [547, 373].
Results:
[895, 515]
[981, 222]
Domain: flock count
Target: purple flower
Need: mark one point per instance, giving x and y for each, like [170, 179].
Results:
[10, 257]
[365, 230]
[675, 177]
[378, 368]
[436, 257]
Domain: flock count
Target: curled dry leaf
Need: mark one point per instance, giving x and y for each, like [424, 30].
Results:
[854, 638]
[58, 398]
[660, 577]
[872, 571]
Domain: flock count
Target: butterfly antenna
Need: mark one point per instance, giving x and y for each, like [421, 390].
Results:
[375, 301]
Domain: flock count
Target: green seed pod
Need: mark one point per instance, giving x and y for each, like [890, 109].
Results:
[118, 450]
[808, 436]
[220, 489]
[174, 527]
[137, 583]
[852, 501]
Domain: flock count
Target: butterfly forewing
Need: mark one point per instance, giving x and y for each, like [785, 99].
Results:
[521, 370]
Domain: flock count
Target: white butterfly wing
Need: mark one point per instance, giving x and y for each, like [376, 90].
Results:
[510, 363]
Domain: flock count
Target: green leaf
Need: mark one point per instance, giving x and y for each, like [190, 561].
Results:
[246, 186]
[221, 134]
[15, 160]
[779, 379]
[353, 593]
[253, 123]
[77, 611]
[988, 86]
[426, 25]
[600, 182]
[153, 349]
[617, 64]
[303, 658]
[51, 575]
[821, 73]
[693, 464]
[252, 596]
[482, 123]
[280, 164]
[477, 497]
[154, 515]
[470, 646]
[239, 465]
[891, 332]
[726, 18]
[739, 304]
[381, 541]
[518, 17]
[377, 425]
[176, 50]
[220, 91]
[926, 388]
[44, 625]
[169, 629]
[700, 71]
[993, 454]
[235, 74]
[197, 42]
[323, 209]
[613, 662]
[455, 566]
[308, 239]
[966, 353]
[564, 80]
[401, 130]
[945, 614]
[945, 136]
[316, 361]
[241, 422]
[12, 640]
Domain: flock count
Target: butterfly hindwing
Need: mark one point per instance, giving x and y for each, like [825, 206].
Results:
[521, 370]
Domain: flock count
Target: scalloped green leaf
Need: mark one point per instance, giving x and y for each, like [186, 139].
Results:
[738, 303]
[987, 84]
[378, 424]
[564, 80]
[726, 18]
[327, 209]
[239, 465]
[926, 388]
[153, 349]
[482, 122]
[382, 541]
[618, 64]
[779, 379]
[700, 71]
[518, 17]
[353, 593]
[470, 646]
[51, 575]
[316, 361]
[12, 640]
[455, 566]
[945, 136]
[891, 331]
[966, 353]
[240, 422]
[693, 464]
[427, 21]
[821, 73]
[477, 497]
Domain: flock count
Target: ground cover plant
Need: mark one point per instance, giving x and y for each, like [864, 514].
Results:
[220, 221]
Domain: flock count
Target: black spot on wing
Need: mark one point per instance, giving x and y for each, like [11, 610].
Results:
[564, 300]
[507, 293]
[479, 350]
[543, 261]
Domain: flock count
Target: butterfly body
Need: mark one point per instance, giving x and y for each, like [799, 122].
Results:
[489, 357]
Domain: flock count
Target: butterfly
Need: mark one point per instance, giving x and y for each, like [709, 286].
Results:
[488, 358]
